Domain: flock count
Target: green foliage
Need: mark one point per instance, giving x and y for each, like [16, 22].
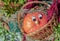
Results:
[12, 9]
[57, 32]
[6, 35]
[22, 1]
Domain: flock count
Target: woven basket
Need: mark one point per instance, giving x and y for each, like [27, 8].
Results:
[45, 31]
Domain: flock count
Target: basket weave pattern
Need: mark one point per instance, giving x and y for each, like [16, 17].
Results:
[44, 31]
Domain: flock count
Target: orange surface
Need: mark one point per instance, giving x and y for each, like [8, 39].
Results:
[30, 26]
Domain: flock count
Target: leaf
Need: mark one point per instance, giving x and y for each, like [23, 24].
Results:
[56, 39]
[57, 32]
[6, 2]
[59, 25]
[21, 1]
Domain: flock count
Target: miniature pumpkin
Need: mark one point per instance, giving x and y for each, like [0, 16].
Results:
[34, 21]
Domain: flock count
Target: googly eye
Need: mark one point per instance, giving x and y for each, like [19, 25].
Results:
[40, 16]
[34, 18]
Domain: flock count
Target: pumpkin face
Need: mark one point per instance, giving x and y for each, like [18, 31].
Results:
[34, 21]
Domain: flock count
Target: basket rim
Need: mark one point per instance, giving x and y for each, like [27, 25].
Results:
[32, 2]
[41, 2]
[19, 14]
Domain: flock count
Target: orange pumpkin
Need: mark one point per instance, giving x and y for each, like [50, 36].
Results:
[34, 21]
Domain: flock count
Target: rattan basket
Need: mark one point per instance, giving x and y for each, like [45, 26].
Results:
[45, 31]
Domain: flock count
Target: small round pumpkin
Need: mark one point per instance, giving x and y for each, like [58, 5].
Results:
[34, 21]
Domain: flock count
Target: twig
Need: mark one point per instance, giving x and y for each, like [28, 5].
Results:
[5, 24]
